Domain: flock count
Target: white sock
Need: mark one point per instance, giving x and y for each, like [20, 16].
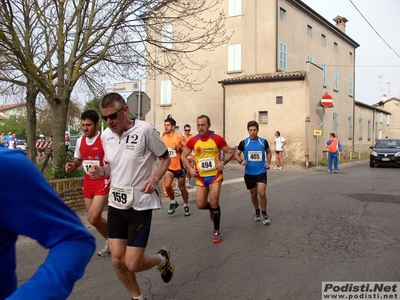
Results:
[162, 260]
[173, 201]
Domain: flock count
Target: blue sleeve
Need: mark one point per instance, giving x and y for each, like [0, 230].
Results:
[30, 207]
[329, 142]
[340, 146]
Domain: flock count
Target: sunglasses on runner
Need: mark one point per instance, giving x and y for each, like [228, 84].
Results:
[112, 116]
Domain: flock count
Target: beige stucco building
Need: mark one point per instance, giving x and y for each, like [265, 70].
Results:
[392, 122]
[371, 124]
[282, 57]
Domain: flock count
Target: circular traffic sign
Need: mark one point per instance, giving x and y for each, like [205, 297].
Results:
[326, 100]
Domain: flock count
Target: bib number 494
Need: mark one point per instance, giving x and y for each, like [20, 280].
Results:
[206, 164]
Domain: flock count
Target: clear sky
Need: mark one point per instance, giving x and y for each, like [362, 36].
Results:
[377, 66]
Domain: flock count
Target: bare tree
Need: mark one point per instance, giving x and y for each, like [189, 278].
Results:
[59, 44]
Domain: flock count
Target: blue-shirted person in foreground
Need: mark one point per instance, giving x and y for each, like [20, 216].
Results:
[257, 160]
[31, 207]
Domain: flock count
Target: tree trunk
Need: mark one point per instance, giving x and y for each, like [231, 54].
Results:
[31, 95]
[59, 109]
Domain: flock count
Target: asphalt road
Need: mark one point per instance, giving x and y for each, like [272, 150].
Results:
[324, 227]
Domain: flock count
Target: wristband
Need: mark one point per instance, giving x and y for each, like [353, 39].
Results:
[225, 162]
[240, 162]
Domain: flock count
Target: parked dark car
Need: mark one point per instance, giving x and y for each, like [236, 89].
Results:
[385, 152]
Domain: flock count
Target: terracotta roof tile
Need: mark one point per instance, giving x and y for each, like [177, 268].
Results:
[9, 106]
[276, 76]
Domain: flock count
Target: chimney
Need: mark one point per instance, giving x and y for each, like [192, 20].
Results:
[341, 23]
[384, 97]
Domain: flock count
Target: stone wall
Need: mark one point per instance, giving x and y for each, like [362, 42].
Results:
[70, 190]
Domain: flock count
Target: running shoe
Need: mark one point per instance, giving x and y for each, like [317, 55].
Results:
[335, 171]
[329, 171]
[172, 208]
[167, 269]
[135, 298]
[276, 167]
[265, 219]
[217, 237]
[105, 251]
[187, 212]
[257, 216]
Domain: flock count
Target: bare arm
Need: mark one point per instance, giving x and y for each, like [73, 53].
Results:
[150, 184]
[75, 164]
[161, 168]
[238, 157]
[228, 153]
[184, 159]
[182, 140]
[228, 156]
[269, 157]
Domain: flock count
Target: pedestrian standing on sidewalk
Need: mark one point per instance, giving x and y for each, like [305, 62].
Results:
[130, 146]
[206, 146]
[175, 143]
[280, 144]
[334, 147]
[41, 150]
[89, 151]
[257, 160]
[67, 140]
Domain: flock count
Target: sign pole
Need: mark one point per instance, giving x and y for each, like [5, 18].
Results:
[317, 135]
[139, 98]
[326, 102]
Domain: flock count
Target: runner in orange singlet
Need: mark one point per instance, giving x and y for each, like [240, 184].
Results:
[175, 143]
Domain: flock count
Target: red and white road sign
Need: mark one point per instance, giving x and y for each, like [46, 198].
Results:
[326, 100]
[43, 144]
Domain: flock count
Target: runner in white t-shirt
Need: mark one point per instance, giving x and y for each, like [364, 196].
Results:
[130, 147]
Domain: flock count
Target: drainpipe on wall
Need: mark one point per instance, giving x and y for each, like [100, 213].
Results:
[307, 154]
[373, 127]
[276, 37]
[354, 102]
[155, 92]
[223, 110]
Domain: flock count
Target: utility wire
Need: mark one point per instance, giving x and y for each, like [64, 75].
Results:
[373, 28]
